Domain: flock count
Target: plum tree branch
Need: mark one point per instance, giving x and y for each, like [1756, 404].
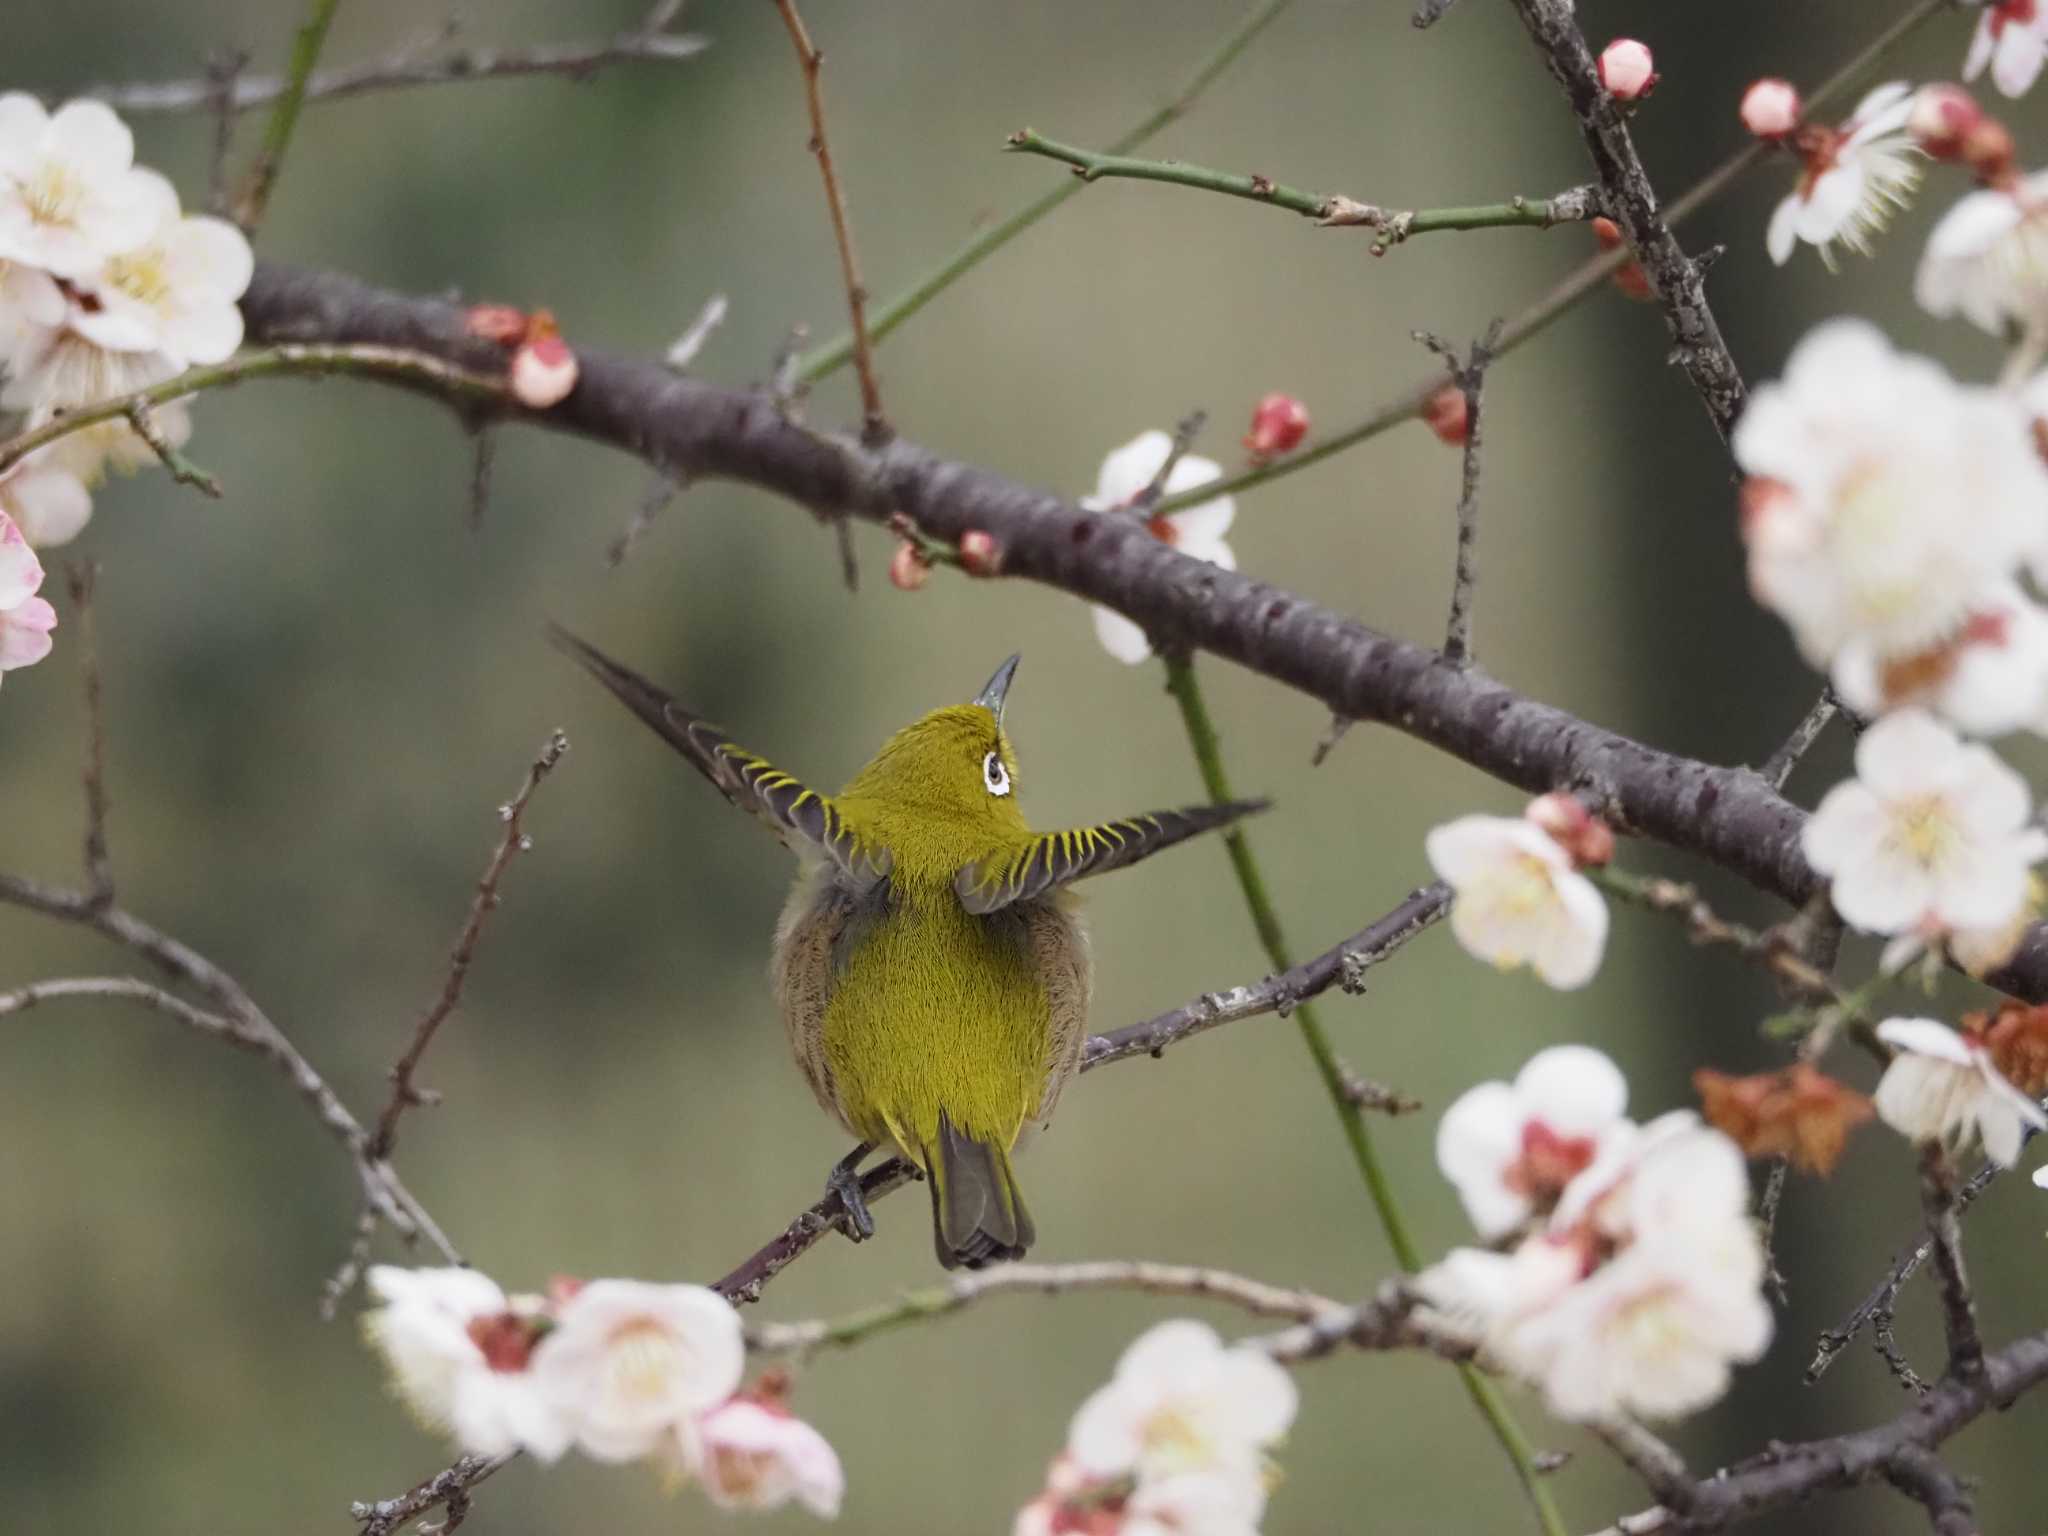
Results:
[1729, 815]
[650, 42]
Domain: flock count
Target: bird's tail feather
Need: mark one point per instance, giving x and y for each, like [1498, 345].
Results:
[978, 1215]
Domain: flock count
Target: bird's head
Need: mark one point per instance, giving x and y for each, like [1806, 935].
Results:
[954, 769]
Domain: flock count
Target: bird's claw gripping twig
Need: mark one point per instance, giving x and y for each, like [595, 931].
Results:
[844, 1181]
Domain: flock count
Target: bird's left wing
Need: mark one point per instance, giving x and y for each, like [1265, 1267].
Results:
[801, 817]
[1053, 859]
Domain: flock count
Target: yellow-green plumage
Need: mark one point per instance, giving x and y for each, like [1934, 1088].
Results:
[930, 971]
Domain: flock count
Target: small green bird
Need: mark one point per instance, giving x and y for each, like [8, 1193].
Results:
[931, 970]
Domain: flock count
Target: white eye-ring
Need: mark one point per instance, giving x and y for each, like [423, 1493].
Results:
[995, 775]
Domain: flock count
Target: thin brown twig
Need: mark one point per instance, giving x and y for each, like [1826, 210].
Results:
[1958, 1307]
[651, 42]
[875, 431]
[83, 578]
[404, 1092]
[1343, 966]
[1468, 377]
[1777, 768]
[143, 419]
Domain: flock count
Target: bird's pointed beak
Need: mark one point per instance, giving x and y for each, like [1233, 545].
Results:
[991, 698]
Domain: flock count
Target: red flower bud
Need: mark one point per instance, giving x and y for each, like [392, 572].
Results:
[495, 322]
[1629, 277]
[544, 370]
[1988, 150]
[1573, 828]
[1771, 109]
[908, 568]
[1278, 425]
[1447, 414]
[1627, 71]
[980, 554]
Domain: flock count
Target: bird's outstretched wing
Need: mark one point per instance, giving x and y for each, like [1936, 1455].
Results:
[1053, 859]
[801, 817]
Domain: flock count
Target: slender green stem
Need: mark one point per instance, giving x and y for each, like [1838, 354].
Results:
[1567, 293]
[1208, 749]
[1394, 224]
[390, 363]
[837, 353]
[284, 114]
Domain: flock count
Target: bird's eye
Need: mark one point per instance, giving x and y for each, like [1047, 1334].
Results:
[995, 775]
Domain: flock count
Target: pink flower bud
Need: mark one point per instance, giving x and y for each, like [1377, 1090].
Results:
[1278, 425]
[1627, 72]
[980, 554]
[1447, 414]
[908, 568]
[1573, 828]
[1771, 109]
[543, 372]
[1943, 117]
[495, 322]
[1629, 277]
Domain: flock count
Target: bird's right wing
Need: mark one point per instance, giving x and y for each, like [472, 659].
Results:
[1053, 859]
[801, 817]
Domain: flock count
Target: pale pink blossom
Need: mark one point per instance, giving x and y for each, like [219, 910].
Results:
[25, 619]
[1771, 108]
[1942, 1087]
[2011, 38]
[1511, 1149]
[544, 370]
[1627, 71]
[1855, 177]
[31, 305]
[749, 1452]
[48, 503]
[1518, 900]
[1987, 258]
[1944, 119]
[1887, 499]
[458, 1350]
[70, 196]
[1931, 836]
[1197, 530]
[629, 1362]
[1183, 1401]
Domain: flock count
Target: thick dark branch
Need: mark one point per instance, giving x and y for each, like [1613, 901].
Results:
[1730, 816]
[1920, 1476]
[1631, 202]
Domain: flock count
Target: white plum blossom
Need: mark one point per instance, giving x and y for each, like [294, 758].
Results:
[1886, 500]
[2012, 38]
[750, 1452]
[70, 196]
[628, 1362]
[25, 619]
[47, 502]
[1931, 835]
[1518, 900]
[1181, 1401]
[174, 292]
[2040, 1177]
[1942, 1087]
[458, 1350]
[1208, 1503]
[1989, 678]
[1127, 473]
[1854, 178]
[1510, 1149]
[1641, 1294]
[1987, 259]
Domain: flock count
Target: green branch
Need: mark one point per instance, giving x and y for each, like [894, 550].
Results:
[1336, 210]
[1582, 281]
[835, 354]
[1208, 749]
[393, 364]
[284, 115]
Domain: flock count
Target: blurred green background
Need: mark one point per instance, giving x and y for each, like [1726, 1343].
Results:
[320, 689]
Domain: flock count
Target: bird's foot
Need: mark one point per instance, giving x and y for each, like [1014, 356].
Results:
[854, 1219]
